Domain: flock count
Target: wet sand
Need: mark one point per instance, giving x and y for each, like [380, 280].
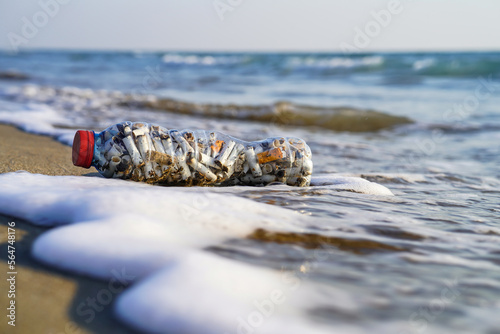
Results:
[35, 154]
[46, 299]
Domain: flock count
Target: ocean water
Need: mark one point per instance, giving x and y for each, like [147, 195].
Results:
[398, 232]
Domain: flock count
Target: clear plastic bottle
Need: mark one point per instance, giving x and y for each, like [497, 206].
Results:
[153, 154]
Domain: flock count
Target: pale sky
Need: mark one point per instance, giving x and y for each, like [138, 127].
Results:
[251, 25]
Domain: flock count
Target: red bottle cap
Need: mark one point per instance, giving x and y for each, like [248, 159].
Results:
[83, 148]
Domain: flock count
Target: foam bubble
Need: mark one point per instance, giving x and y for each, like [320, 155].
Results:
[354, 184]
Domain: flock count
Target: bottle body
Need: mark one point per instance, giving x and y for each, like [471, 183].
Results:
[153, 154]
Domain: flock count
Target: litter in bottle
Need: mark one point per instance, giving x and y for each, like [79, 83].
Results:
[153, 154]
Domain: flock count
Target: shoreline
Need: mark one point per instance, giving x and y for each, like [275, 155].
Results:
[47, 299]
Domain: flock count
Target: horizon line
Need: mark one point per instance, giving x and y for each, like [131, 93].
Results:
[258, 51]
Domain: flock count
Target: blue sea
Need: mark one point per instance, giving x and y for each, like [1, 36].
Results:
[398, 233]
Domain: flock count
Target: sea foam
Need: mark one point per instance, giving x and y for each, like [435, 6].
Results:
[112, 214]
[202, 293]
[354, 184]
[156, 236]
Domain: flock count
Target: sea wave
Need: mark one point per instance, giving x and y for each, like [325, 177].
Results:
[280, 113]
[453, 66]
[434, 65]
[336, 62]
[421, 64]
[203, 60]
[13, 75]
[288, 113]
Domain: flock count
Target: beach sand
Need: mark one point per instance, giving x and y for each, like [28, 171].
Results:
[46, 299]
[35, 154]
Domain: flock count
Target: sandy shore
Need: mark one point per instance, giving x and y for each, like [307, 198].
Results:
[46, 299]
[35, 154]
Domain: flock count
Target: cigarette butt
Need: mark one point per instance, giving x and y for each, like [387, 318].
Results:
[224, 154]
[158, 144]
[202, 142]
[181, 141]
[216, 147]
[206, 160]
[165, 169]
[113, 164]
[143, 146]
[252, 162]
[112, 151]
[109, 169]
[127, 131]
[200, 168]
[115, 161]
[124, 164]
[303, 181]
[189, 136]
[168, 146]
[183, 167]
[296, 142]
[307, 167]
[267, 169]
[132, 151]
[229, 170]
[290, 153]
[171, 149]
[140, 132]
[234, 155]
[271, 155]
[139, 125]
[158, 170]
[149, 170]
[137, 174]
[239, 164]
[295, 171]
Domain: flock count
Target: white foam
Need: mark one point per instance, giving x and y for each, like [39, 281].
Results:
[354, 184]
[202, 293]
[118, 213]
[336, 62]
[421, 64]
[39, 119]
[178, 59]
[136, 230]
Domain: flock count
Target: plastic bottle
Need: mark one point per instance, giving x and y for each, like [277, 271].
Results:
[151, 153]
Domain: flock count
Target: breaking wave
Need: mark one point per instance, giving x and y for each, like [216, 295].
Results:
[204, 60]
[288, 113]
[279, 113]
[431, 64]
[336, 62]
